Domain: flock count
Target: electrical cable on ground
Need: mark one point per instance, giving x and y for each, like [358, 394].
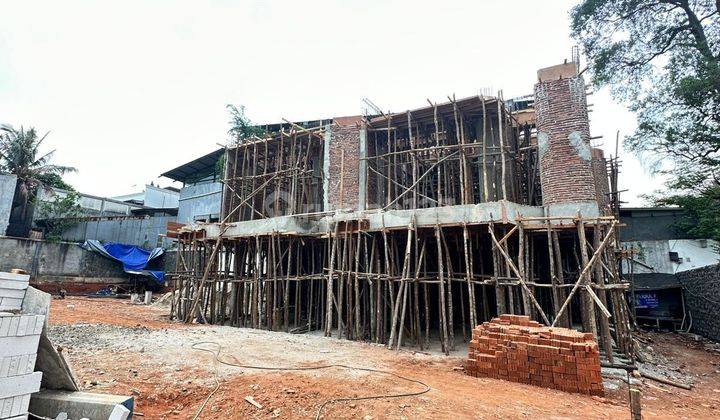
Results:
[217, 349]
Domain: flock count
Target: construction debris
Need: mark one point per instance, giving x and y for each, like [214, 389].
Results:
[252, 401]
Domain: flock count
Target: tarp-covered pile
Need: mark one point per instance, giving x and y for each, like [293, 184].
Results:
[134, 259]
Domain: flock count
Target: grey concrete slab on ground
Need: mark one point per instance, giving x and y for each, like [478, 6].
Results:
[78, 404]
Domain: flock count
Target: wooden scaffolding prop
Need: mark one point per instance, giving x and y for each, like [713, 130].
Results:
[418, 286]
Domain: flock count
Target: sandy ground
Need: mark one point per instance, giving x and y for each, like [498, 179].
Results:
[117, 347]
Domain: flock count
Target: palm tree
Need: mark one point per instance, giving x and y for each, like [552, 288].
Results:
[20, 155]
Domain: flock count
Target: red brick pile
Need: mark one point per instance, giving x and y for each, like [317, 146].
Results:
[516, 349]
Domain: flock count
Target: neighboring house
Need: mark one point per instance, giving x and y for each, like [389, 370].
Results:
[659, 253]
[658, 246]
[91, 205]
[113, 220]
[154, 197]
[201, 194]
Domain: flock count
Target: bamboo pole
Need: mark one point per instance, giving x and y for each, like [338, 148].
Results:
[329, 298]
[443, 321]
[468, 272]
[584, 271]
[587, 308]
[520, 278]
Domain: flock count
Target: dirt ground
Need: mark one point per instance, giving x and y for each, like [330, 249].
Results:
[117, 347]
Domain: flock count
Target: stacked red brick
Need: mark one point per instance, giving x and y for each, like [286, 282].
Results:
[344, 167]
[516, 349]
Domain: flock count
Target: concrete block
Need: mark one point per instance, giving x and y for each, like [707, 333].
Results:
[119, 413]
[12, 407]
[5, 325]
[10, 304]
[15, 346]
[15, 277]
[78, 404]
[13, 284]
[20, 325]
[20, 385]
[17, 365]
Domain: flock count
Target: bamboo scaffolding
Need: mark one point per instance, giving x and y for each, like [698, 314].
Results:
[413, 285]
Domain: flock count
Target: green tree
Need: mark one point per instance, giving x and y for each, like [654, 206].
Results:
[240, 125]
[56, 181]
[59, 214]
[662, 58]
[702, 212]
[20, 155]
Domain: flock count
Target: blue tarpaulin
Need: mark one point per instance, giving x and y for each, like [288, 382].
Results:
[133, 258]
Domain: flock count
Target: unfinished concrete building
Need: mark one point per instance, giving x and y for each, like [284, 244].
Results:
[412, 228]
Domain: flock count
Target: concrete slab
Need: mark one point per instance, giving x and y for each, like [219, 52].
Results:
[559, 71]
[57, 373]
[78, 404]
[497, 211]
[119, 413]
[570, 210]
[37, 302]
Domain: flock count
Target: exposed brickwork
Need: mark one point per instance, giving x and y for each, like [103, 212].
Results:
[563, 141]
[602, 186]
[516, 349]
[347, 139]
[702, 290]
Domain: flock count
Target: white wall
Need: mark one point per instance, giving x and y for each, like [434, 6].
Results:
[199, 200]
[160, 198]
[7, 193]
[694, 253]
[94, 205]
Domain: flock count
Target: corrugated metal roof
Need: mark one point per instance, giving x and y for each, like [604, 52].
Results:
[196, 169]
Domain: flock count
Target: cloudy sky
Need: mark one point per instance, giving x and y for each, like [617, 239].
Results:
[131, 89]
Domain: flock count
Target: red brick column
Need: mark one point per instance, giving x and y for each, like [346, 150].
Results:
[563, 127]
[344, 156]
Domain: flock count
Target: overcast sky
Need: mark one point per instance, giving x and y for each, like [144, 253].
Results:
[132, 89]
